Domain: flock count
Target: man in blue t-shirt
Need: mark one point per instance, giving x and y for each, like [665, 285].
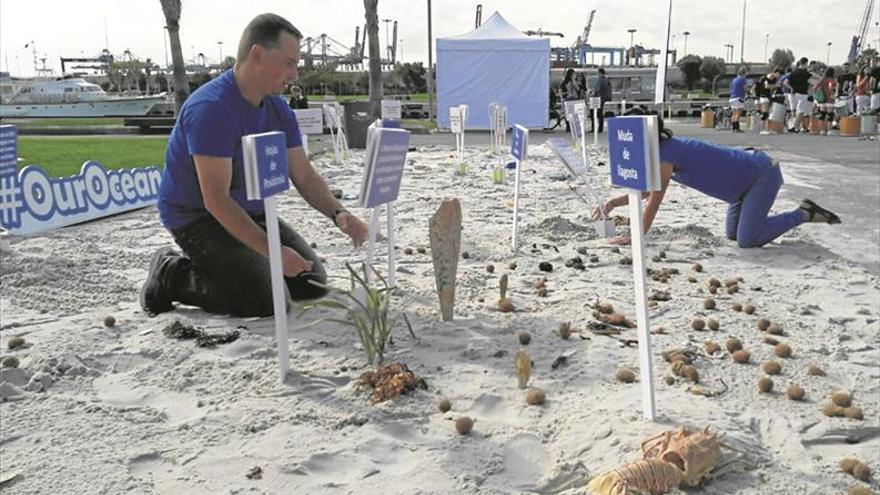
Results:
[747, 180]
[738, 97]
[224, 265]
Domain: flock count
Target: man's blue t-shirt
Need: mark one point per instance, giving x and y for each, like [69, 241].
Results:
[718, 171]
[212, 123]
[738, 87]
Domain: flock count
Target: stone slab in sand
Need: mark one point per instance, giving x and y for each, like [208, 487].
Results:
[128, 410]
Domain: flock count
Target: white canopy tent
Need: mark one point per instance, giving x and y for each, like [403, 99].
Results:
[495, 63]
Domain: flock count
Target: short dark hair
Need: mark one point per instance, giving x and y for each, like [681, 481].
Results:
[601, 70]
[803, 61]
[264, 30]
[829, 72]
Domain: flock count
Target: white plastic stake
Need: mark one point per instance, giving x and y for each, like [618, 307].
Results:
[392, 259]
[595, 127]
[371, 243]
[515, 206]
[638, 254]
[279, 289]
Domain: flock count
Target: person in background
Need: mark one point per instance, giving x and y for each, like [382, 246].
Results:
[846, 85]
[569, 91]
[875, 86]
[738, 89]
[298, 100]
[601, 89]
[863, 90]
[799, 83]
[823, 95]
[748, 180]
[765, 88]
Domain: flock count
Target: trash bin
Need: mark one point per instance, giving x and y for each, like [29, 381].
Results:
[357, 120]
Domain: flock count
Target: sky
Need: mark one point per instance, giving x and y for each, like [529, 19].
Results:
[84, 27]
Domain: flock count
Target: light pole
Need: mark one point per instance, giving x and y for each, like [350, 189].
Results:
[742, 41]
[766, 42]
[165, 39]
[828, 55]
[387, 45]
[220, 48]
[686, 34]
[631, 32]
[430, 71]
[728, 55]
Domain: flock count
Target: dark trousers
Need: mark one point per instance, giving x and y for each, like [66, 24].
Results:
[221, 275]
[600, 117]
[748, 220]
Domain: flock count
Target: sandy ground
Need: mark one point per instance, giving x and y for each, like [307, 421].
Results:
[125, 409]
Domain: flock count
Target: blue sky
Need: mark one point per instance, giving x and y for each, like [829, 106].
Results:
[71, 29]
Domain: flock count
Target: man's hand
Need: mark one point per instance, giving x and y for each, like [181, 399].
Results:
[292, 264]
[619, 240]
[353, 227]
[606, 209]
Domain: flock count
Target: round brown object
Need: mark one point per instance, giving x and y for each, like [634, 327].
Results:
[861, 471]
[737, 307]
[733, 289]
[795, 392]
[542, 292]
[444, 405]
[464, 425]
[465, 255]
[525, 338]
[774, 329]
[690, 373]
[815, 370]
[616, 319]
[782, 350]
[10, 362]
[741, 356]
[772, 367]
[408, 251]
[15, 342]
[853, 412]
[709, 303]
[763, 324]
[670, 380]
[713, 282]
[730, 282]
[421, 250]
[512, 265]
[606, 308]
[505, 305]
[625, 375]
[109, 321]
[712, 347]
[676, 367]
[541, 282]
[765, 385]
[770, 341]
[698, 324]
[733, 344]
[748, 309]
[692, 279]
[490, 268]
[712, 289]
[832, 410]
[535, 397]
[713, 324]
[697, 267]
[847, 464]
[861, 490]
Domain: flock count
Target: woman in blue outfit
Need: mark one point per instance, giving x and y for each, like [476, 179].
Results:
[748, 180]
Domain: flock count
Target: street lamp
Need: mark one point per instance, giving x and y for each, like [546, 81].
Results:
[828, 56]
[686, 34]
[742, 42]
[766, 42]
[220, 48]
[386, 21]
[728, 55]
[631, 32]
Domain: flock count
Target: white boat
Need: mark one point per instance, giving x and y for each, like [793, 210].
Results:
[67, 97]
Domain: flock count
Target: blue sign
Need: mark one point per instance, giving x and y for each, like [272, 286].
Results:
[383, 168]
[10, 199]
[572, 160]
[633, 149]
[265, 164]
[519, 142]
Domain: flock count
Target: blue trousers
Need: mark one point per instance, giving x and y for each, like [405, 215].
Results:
[748, 220]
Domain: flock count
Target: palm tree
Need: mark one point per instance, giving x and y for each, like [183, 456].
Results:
[171, 9]
[375, 56]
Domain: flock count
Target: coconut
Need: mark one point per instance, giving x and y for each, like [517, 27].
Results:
[713, 282]
[782, 350]
[847, 464]
[464, 425]
[505, 305]
[748, 309]
[690, 373]
[10, 362]
[444, 405]
[535, 397]
[763, 324]
[832, 410]
[709, 303]
[625, 375]
[853, 412]
[861, 471]
[698, 324]
[741, 356]
[815, 370]
[109, 321]
[711, 347]
[713, 324]
[490, 268]
[15, 342]
[733, 344]
[525, 338]
[765, 385]
[737, 307]
[733, 289]
[771, 367]
[795, 392]
[774, 329]
[697, 267]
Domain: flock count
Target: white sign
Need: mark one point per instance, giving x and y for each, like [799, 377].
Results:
[391, 109]
[458, 124]
[455, 120]
[595, 102]
[311, 121]
[333, 113]
[519, 144]
[498, 136]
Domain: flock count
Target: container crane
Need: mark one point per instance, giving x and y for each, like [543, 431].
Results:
[858, 41]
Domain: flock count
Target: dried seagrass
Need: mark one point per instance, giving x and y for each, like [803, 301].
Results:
[645, 476]
[523, 368]
[694, 453]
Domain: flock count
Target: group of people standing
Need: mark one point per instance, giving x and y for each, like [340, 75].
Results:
[826, 95]
[576, 87]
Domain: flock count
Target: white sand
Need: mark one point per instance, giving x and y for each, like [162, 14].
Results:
[136, 412]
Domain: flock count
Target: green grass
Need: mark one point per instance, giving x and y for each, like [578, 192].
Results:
[64, 122]
[60, 157]
[427, 124]
[423, 97]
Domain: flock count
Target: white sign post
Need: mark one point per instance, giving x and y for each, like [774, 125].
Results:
[458, 124]
[519, 144]
[596, 107]
[266, 174]
[384, 160]
[334, 114]
[580, 111]
[311, 121]
[498, 118]
[634, 152]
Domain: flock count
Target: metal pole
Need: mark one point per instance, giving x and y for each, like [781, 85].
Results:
[828, 56]
[430, 71]
[766, 42]
[742, 42]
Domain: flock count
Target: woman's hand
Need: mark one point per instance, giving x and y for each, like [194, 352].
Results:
[605, 210]
[620, 240]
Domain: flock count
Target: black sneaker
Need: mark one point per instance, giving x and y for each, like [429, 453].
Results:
[817, 214]
[154, 298]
